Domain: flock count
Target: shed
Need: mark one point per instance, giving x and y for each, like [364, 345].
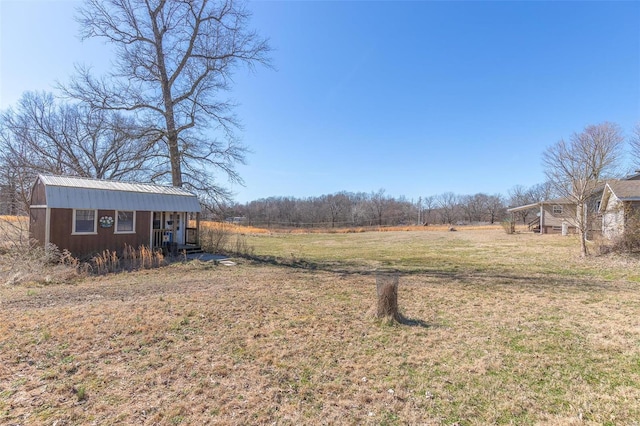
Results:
[88, 216]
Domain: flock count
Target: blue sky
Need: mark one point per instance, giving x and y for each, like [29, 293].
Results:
[417, 98]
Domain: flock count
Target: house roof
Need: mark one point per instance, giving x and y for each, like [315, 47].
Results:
[540, 203]
[625, 190]
[597, 188]
[83, 193]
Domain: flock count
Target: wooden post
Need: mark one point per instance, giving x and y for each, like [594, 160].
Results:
[198, 229]
[174, 226]
[387, 288]
[512, 225]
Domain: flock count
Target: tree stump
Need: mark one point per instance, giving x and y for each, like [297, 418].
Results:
[387, 288]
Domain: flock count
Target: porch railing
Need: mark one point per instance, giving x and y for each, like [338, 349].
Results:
[162, 237]
[192, 236]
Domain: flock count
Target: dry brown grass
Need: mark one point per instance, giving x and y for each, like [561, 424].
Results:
[14, 230]
[233, 228]
[197, 343]
[130, 259]
[24, 262]
[396, 228]
[241, 229]
[21, 261]
[8, 218]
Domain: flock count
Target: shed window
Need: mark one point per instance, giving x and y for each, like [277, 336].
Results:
[125, 221]
[557, 209]
[84, 221]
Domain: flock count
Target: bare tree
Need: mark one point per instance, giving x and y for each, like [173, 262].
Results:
[449, 205]
[13, 187]
[577, 167]
[429, 204]
[44, 135]
[635, 145]
[338, 205]
[360, 212]
[495, 207]
[542, 192]
[474, 206]
[378, 203]
[174, 58]
[9, 189]
[521, 196]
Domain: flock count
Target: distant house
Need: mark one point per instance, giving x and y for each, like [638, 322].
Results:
[610, 205]
[87, 216]
[552, 216]
[620, 201]
[560, 215]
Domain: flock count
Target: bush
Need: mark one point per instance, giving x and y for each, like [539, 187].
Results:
[242, 248]
[508, 226]
[217, 237]
[214, 238]
[30, 263]
[629, 241]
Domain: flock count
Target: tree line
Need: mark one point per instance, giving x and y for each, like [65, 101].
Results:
[361, 209]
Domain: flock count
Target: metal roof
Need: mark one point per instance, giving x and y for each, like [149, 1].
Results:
[83, 193]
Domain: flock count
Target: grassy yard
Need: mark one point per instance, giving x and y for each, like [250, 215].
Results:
[489, 251]
[507, 329]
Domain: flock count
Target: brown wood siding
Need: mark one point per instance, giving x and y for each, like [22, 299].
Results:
[37, 225]
[38, 196]
[87, 245]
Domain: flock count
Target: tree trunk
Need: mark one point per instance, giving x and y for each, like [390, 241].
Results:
[174, 157]
[165, 84]
[583, 243]
[387, 288]
[583, 226]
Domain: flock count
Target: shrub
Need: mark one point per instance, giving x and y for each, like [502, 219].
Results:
[629, 240]
[214, 238]
[217, 237]
[28, 262]
[509, 226]
[242, 248]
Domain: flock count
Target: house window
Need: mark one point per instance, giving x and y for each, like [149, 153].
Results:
[84, 221]
[557, 209]
[125, 222]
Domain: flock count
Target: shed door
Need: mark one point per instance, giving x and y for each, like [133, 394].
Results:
[179, 226]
